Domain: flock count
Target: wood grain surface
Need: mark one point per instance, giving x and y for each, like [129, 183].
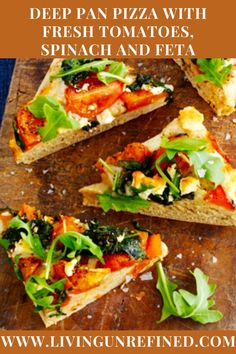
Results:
[52, 185]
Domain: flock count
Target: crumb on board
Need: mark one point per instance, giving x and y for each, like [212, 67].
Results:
[214, 259]
[45, 172]
[139, 295]
[227, 136]
[146, 276]
[179, 256]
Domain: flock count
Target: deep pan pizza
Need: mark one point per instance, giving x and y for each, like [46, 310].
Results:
[66, 264]
[79, 98]
[215, 81]
[182, 174]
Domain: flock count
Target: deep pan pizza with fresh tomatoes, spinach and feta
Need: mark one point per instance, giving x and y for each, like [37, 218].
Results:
[79, 98]
[66, 264]
[181, 174]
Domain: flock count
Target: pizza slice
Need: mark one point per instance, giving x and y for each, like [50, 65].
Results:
[66, 264]
[215, 81]
[79, 98]
[181, 174]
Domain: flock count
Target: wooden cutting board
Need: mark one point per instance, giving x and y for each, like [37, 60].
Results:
[52, 185]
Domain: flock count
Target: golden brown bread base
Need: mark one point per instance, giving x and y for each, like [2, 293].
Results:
[198, 211]
[222, 100]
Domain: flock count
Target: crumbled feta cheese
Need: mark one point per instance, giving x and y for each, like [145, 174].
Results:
[117, 108]
[172, 170]
[120, 238]
[125, 290]
[105, 117]
[153, 89]
[146, 276]
[21, 248]
[69, 267]
[188, 185]
[85, 87]
[130, 79]
[50, 191]
[214, 259]
[64, 191]
[192, 121]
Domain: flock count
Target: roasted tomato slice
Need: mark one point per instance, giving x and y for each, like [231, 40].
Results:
[94, 101]
[134, 151]
[29, 266]
[183, 164]
[85, 279]
[58, 271]
[66, 223]
[27, 125]
[219, 197]
[28, 211]
[140, 98]
[153, 248]
[117, 261]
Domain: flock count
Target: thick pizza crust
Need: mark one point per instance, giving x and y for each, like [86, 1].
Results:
[184, 210]
[222, 100]
[71, 136]
[111, 281]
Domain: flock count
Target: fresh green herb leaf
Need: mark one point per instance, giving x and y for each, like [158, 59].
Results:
[107, 166]
[5, 243]
[16, 267]
[117, 71]
[37, 106]
[26, 234]
[158, 162]
[121, 202]
[207, 165]
[40, 292]
[182, 303]
[94, 66]
[55, 119]
[43, 229]
[48, 108]
[215, 70]
[75, 242]
[184, 144]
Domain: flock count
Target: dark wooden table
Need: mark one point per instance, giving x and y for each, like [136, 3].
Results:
[52, 185]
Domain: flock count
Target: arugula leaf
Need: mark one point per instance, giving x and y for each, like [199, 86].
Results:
[75, 242]
[117, 71]
[26, 234]
[56, 118]
[48, 108]
[184, 144]
[121, 202]
[214, 70]
[37, 106]
[182, 303]
[94, 66]
[207, 166]
[158, 162]
[38, 291]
